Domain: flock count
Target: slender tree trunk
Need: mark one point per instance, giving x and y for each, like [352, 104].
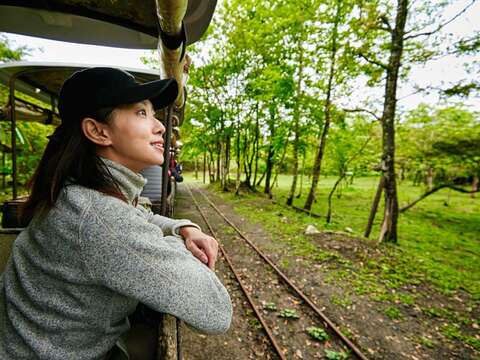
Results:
[219, 156]
[211, 174]
[268, 171]
[257, 144]
[342, 175]
[247, 164]
[388, 232]
[301, 175]
[282, 159]
[237, 180]
[327, 109]
[270, 154]
[429, 178]
[373, 210]
[196, 168]
[226, 164]
[296, 127]
[434, 190]
[329, 211]
[261, 179]
[204, 165]
[475, 182]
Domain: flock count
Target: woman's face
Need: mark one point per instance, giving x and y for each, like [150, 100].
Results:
[136, 137]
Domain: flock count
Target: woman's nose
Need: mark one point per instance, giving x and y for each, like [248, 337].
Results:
[159, 128]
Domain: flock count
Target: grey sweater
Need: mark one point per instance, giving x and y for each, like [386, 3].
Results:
[74, 275]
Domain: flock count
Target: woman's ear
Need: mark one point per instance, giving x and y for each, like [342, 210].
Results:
[96, 131]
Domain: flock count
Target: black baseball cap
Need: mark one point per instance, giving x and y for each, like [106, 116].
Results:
[102, 87]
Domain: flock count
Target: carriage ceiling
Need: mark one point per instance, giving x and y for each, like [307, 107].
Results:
[117, 23]
[44, 80]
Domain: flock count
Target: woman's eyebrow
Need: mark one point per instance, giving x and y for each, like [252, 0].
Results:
[147, 104]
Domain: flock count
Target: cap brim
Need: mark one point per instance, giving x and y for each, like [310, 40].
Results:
[160, 92]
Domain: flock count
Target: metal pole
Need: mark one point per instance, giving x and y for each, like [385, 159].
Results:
[4, 164]
[13, 126]
[166, 160]
[13, 123]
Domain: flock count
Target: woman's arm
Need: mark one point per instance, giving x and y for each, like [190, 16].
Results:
[122, 251]
[201, 245]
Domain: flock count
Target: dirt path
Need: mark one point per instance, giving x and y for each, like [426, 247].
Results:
[414, 334]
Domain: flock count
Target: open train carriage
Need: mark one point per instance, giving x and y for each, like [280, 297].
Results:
[139, 24]
[150, 24]
[42, 82]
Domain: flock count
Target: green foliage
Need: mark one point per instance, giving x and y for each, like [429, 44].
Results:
[342, 301]
[289, 314]
[393, 313]
[335, 355]
[317, 333]
[426, 342]
[444, 140]
[452, 331]
[255, 323]
[270, 306]
[8, 53]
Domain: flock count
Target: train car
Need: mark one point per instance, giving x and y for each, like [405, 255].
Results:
[42, 82]
[140, 24]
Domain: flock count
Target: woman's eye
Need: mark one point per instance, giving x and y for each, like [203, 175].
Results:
[142, 112]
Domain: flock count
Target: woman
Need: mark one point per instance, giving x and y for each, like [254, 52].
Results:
[90, 252]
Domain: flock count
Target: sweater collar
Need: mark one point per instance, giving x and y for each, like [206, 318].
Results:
[130, 182]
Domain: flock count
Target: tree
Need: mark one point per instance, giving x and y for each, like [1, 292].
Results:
[385, 58]
[339, 60]
[10, 53]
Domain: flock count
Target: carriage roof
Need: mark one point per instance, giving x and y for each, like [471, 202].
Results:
[118, 23]
[42, 80]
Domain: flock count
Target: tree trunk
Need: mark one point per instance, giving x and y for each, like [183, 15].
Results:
[268, 171]
[329, 211]
[257, 140]
[247, 164]
[204, 165]
[434, 190]
[196, 168]
[237, 180]
[279, 164]
[211, 172]
[301, 175]
[261, 179]
[270, 154]
[226, 164]
[475, 182]
[296, 127]
[429, 178]
[373, 210]
[327, 110]
[219, 157]
[388, 232]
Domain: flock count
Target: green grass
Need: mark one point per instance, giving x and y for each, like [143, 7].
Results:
[393, 313]
[438, 238]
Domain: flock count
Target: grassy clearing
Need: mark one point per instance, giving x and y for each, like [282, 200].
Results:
[438, 239]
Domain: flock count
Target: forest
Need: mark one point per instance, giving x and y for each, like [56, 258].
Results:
[310, 88]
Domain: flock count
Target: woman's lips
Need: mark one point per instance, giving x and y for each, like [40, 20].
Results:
[157, 145]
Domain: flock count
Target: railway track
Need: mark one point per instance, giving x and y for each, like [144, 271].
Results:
[282, 309]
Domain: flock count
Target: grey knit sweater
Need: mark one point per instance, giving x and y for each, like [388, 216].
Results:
[74, 275]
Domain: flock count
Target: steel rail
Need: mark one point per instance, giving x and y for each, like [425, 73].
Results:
[287, 280]
[229, 262]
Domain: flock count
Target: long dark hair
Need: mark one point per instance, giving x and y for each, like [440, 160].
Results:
[69, 156]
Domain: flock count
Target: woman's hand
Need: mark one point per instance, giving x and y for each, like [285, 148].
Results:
[202, 246]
